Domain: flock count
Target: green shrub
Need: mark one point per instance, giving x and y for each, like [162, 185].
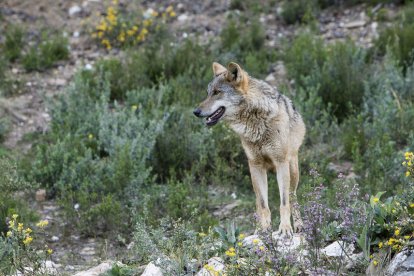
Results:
[399, 39]
[338, 70]
[14, 43]
[10, 183]
[298, 11]
[46, 52]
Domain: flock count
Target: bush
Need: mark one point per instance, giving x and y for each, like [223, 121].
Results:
[43, 55]
[399, 39]
[338, 71]
[298, 11]
[14, 43]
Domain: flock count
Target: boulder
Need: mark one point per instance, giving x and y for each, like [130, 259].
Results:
[152, 270]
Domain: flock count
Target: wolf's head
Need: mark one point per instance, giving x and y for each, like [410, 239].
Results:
[224, 93]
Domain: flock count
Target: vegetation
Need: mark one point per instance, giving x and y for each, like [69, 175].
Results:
[125, 159]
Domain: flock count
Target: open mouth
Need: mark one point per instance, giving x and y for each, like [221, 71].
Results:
[215, 117]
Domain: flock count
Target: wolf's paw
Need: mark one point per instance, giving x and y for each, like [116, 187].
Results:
[285, 230]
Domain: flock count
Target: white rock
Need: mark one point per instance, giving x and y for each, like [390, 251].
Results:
[148, 13]
[396, 262]
[185, 35]
[355, 24]
[76, 34]
[152, 270]
[249, 241]
[97, 270]
[55, 238]
[182, 17]
[285, 245]
[216, 263]
[88, 66]
[87, 251]
[270, 78]
[338, 249]
[74, 10]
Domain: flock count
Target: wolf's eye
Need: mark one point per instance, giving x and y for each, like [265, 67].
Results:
[216, 92]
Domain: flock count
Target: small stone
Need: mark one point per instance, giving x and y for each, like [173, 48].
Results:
[152, 270]
[76, 34]
[74, 10]
[185, 35]
[289, 245]
[270, 78]
[355, 24]
[88, 251]
[338, 249]
[216, 263]
[182, 17]
[40, 195]
[97, 270]
[88, 66]
[15, 70]
[55, 238]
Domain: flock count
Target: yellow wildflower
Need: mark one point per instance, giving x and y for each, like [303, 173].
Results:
[130, 32]
[376, 199]
[49, 251]
[371, 256]
[121, 37]
[201, 234]
[391, 241]
[8, 234]
[169, 9]
[90, 136]
[242, 236]
[407, 237]
[380, 245]
[42, 223]
[100, 34]
[412, 205]
[27, 240]
[262, 248]
[11, 223]
[397, 232]
[407, 173]
[173, 14]
[15, 216]
[375, 262]
[231, 252]
[115, 2]
[27, 231]
[154, 14]
[240, 244]
[256, 241]
[20, 227]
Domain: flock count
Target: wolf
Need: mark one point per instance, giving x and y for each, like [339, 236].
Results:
[271, 132]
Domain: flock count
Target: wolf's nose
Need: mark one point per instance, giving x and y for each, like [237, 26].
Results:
[197, 112]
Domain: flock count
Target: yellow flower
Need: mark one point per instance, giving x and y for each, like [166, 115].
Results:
[115, 2]
[144, 31]
[147, 22]
[391, 241]
[27, 231]
[169, 9]
[201, 234]
[173, 14]
[242, 236]
[20, 227]
[407, 237]
[8, 234]
[11, 223]
[100, 34]
[371, 256]
[49, 251]
[375, 262]
[397, 232]
[231, 252]
[376, 199]
[240, 244]
[256, 241]
[262, 248]
[130, 32]
[42, 223]
[408, 155]
[407, 173]
[412, 205]
[380, 245]
[27, 240]
[15, 216]
[90, 136]
[154, 14]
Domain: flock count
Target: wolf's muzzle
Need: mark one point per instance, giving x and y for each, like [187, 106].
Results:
[197, 112]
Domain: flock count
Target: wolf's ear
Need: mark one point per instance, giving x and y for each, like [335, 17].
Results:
[218, 69]
[234, 73]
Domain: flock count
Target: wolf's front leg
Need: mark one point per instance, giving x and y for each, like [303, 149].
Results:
[259, 181]
[283, 181]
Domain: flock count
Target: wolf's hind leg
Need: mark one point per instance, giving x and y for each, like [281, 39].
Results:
[294, 181]
[259, 181]
[283, 181]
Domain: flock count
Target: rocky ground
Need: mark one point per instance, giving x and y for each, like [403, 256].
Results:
[29, 111]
